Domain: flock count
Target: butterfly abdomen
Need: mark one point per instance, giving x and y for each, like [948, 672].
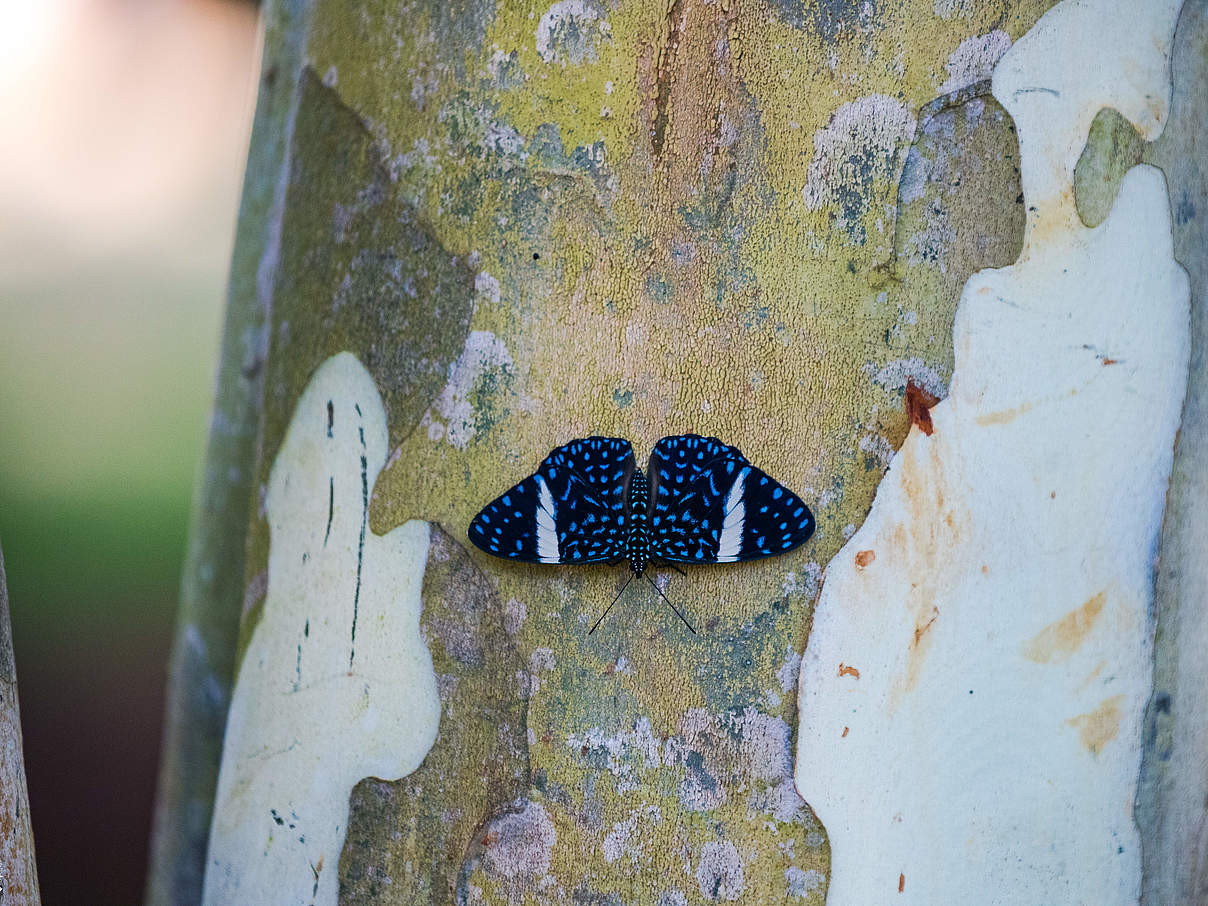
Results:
[637, 544]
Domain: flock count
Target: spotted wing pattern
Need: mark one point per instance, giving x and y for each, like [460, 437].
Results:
[571, 510]
[710, 505]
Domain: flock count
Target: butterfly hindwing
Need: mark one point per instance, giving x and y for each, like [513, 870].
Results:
[571, 510]
[712, 506]
[765, 520]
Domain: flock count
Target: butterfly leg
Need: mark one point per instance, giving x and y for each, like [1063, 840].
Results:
[596, 625]
[668, 600]
[675, 566]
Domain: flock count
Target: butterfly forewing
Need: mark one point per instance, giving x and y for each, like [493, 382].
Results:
[571, 510]
[712, 506]
[679, 459]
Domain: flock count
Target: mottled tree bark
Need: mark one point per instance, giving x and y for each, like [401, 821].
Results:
[18, 873]
[483, 229]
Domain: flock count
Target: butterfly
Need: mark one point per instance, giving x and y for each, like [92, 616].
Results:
[699, 501]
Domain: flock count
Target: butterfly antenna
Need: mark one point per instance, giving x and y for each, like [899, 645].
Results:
[673, 607]
[609, 607]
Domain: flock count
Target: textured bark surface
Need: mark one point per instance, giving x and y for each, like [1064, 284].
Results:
[18, 873]
[532, 224]
[537, 222]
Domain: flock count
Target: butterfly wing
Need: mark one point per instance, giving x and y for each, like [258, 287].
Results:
[571, 510]
[712, 506]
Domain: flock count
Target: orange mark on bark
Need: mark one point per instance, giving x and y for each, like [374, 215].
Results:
[1060, 639]
[1003, 416]
[844, 736]
[1092, 676]
[845, 670]
[863, 558]
[920, 631]
[1099, 727]
[918, 406]
[931, 536]
[901, 883]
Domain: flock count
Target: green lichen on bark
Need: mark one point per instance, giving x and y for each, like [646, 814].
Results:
[1113, 147]
[681, 218]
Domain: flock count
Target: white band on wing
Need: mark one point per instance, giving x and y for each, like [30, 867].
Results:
[547, 532]
[730, 544]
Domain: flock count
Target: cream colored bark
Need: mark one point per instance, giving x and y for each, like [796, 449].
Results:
[1002, 627]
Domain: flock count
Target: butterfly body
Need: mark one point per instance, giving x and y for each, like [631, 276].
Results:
[637, 545]
[700, 501]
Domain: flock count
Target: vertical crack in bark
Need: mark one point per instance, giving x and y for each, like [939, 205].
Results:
[664, 75]
[331, 506]
[356, 597]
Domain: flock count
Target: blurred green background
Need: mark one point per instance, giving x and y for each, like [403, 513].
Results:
[126, 125]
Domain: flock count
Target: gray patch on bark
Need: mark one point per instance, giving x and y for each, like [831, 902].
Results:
[1173, 784]
[831, 19]
[408, 839]
[359, 270]
[964, 152]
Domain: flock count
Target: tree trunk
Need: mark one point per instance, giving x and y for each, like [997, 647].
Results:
[483, 230]
[18, 872]
[212, 581]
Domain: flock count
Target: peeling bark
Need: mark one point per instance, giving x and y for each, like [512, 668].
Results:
[477, 768]
[1002, 625]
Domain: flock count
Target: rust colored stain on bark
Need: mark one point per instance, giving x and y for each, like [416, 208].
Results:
[1004, 416]
[863, 558]
[845, 670]
[1062, 638]
[920, 631]
[844, 736]
[918, 406]
[1099, 727]
[901, 883]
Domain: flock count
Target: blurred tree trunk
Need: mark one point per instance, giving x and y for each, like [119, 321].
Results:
[18, 873]
[212, 581]
[473, 232]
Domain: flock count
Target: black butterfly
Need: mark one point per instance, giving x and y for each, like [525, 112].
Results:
[588, 502]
